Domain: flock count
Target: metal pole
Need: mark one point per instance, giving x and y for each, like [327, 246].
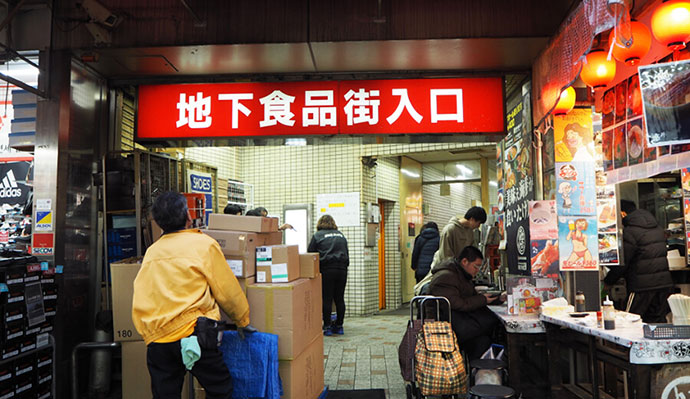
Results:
[75, 366]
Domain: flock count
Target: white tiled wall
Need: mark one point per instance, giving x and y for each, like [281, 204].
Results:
[296, 174]
[443, 208]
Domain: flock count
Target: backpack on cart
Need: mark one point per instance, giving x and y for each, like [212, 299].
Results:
[439, 366]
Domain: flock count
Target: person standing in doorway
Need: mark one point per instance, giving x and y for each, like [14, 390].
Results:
[458, 234]
[334, 259]
[425, 246]
[648, 280]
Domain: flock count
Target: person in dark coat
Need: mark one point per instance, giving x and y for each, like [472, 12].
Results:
[648, 280]
[471, 320]
[425, 246]
[334, 259]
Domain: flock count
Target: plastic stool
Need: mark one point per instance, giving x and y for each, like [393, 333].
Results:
[491, 392]
[488, 364]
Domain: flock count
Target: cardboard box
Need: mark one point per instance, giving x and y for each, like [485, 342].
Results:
[245, 282]
[256, 224]
[290, 310]
[309, 265]
[122, 275]
[240, 248]
[136, 381]
[277, 263]
[303, 376]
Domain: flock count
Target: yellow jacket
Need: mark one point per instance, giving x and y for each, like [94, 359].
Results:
[184, 275]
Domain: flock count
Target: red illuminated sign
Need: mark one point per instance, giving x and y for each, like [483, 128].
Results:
[464, 105]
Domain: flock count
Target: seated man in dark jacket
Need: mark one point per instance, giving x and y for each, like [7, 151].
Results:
[425, 246]
[472, 321]
[648, 280]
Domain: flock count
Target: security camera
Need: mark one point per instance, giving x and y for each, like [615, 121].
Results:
[98, 13]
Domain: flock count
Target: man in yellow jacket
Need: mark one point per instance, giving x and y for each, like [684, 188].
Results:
[184, 277]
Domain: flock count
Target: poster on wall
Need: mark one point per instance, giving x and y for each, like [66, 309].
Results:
[518, 182]
[573, 136]
[343, 207]
[543, 237]
[635, 141]
[608, 109]
[576, 190]
[13, 178]
[202, 183]
[578, 240]
[607, 228]
[665, 105]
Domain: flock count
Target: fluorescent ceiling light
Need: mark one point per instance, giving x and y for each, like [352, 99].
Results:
[493, 184]
[409, 173]
[296, 142]
[464, 170]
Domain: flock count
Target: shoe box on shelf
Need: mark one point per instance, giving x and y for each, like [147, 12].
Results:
[28, 303]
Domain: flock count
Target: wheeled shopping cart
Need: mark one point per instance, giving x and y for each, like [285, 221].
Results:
[414, 344]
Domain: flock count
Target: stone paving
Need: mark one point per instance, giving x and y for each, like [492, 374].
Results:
[366, 356]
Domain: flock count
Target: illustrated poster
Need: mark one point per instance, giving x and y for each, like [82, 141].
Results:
[575, 188]
[608, 232]
[577, 236]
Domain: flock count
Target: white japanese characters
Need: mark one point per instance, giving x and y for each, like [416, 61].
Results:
[195, 111]
[319, 109]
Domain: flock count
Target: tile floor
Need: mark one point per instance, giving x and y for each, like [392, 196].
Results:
[366, 356]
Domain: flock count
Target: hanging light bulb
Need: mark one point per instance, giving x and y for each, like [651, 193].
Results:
[566, 102]
[641, 42]
[597, 70]
[671, 23]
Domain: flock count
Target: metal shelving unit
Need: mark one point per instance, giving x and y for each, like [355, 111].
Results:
[241, 194]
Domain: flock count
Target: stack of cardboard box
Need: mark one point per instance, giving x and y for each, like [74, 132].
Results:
[292, 310]
[136, 382]
[239, 236]
[282, 286]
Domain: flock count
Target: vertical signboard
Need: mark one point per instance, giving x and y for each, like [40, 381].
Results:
[576, 191]
[518, 182]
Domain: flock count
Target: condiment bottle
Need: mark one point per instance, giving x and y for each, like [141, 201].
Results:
[609, 314]
[580, 301]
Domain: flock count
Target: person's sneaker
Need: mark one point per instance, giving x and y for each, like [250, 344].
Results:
[337, 330]
[327, 332]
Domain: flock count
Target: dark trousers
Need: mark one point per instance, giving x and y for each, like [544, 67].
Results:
[167, 372]
[652, 305]
[474, 330]
[333, 290]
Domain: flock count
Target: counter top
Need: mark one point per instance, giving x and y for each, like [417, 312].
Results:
[525, 324]
[629, 334]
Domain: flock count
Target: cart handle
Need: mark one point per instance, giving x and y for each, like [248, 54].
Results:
[438, 299]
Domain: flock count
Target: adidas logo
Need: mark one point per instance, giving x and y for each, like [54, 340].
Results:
[9, 187]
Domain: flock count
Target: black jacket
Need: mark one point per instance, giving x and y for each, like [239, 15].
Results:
[425, 246]
[332, 248]
[644, 251]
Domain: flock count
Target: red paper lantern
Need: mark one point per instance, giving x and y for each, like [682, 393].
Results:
[671, 23]
[642, 40]
[566, 102]
[597, 71]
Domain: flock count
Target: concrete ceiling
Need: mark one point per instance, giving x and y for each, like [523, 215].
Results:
[459, 55]
[488, 151]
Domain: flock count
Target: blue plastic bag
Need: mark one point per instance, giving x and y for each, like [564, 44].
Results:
[253, 365]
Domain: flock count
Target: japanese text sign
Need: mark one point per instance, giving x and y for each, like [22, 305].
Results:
[462, 105]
